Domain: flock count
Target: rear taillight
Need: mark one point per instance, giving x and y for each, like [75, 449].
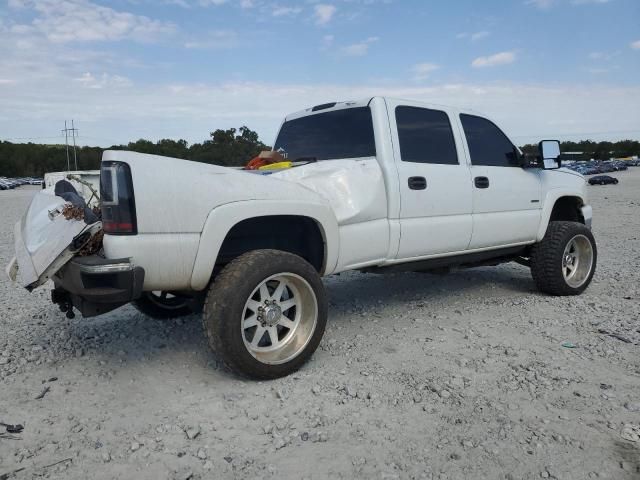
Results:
[118, 202]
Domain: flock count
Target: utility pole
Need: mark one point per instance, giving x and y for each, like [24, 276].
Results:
[66, 142]
[73, 131]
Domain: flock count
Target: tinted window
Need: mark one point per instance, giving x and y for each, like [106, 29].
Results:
[425, 136]
[344, 133]
[487, 144]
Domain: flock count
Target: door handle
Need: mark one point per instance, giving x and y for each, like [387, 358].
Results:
[481, 182]
[417, 183]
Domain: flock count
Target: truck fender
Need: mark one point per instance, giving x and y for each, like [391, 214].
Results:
[223, 218]
[549, 202]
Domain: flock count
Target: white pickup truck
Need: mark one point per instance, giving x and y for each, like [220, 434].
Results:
[377, 185]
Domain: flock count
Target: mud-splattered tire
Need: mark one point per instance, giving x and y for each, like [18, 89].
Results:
[265, 313]
[162, 306]
[564, 262]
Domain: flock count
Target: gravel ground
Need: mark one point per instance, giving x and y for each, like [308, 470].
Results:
[418, 376]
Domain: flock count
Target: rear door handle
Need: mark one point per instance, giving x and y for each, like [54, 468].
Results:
[481, 182]
[417, 183]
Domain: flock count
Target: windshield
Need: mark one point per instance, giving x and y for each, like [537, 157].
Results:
[346, 133]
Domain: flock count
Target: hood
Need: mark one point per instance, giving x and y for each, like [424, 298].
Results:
[566, 170]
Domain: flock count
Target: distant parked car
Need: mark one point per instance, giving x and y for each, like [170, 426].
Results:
[6, 183]
[602, 180]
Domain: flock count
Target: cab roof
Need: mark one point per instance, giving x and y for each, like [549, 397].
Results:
[332, 106]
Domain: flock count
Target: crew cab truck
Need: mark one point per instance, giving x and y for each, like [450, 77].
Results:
[377, 185]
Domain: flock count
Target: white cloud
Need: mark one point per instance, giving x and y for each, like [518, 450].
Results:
[217, 39]
[635, 45]
[358, 49]
[546, 4]
[604, 56]
[88, 80]
[422, 71]
[113, 114]
[244, 4]
[327, 42]
[279, 11]
[541, 4]
[323, 13]
[82, 20]
[598, 71]
[502, 58]
[474, 37]
[479, 35]
[586, 2]
[179, 3]
[206, 3]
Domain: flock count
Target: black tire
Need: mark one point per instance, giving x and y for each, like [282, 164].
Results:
[547, 258]
[226, 306]
[162, 308]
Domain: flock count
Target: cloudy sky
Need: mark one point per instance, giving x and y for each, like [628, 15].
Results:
[129, 69]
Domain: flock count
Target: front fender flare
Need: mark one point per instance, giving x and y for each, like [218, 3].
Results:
[549, 202]
[223, 218]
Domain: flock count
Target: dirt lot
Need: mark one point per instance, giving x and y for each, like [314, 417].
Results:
[418, 376]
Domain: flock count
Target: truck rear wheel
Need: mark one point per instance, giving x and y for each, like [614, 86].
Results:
[265, 313]
[163, 305]
[564, 262]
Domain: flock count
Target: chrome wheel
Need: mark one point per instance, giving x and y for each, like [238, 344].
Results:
[577, 261]
[279, 318]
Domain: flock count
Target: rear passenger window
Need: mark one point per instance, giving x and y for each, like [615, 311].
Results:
[425, 136]
[487, 144]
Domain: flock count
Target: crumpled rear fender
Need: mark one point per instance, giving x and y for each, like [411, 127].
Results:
[223, 218]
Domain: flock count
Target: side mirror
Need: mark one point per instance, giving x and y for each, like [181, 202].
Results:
[550, 153]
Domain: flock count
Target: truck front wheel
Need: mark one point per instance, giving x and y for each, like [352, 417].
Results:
[265, 313]
[564, 262]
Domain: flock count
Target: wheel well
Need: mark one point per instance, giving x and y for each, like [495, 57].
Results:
[568, 209]
[294, 234]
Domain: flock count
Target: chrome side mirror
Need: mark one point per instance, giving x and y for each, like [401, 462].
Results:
[550, 153]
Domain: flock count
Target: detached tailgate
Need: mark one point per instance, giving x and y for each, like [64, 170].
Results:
[45, 240]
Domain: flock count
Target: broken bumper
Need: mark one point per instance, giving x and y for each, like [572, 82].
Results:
[95, 285]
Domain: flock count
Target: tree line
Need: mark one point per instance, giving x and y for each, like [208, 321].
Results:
[232, 147]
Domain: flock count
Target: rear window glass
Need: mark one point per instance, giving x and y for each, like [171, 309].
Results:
[346, 133]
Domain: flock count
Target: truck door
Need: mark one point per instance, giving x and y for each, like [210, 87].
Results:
[506, 197]
[435, 182]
